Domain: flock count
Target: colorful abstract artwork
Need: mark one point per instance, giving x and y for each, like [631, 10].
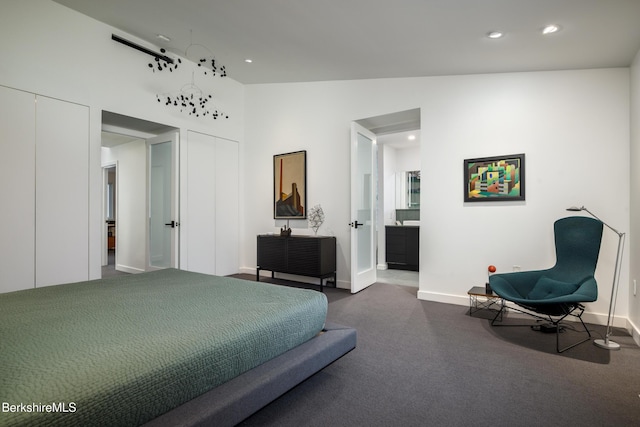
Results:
[290, 185]
[489, 179]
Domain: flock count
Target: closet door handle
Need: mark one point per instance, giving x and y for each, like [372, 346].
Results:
[173, 224]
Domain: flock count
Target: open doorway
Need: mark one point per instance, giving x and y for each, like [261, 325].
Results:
[109, 210]
[124, 185]
[124, 146]
[399, 237]
[398, 211]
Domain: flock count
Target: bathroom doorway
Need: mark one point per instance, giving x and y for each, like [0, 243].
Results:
[399, 167]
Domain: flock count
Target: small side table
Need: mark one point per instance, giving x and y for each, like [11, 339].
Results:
[479, 299]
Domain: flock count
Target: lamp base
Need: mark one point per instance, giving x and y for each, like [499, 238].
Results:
[607, 344]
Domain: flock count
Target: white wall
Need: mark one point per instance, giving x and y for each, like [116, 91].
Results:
[51, 50]
[386, 197]
[634, 245]
[572, 125]
[574, 129]
[407, 159]
[387, 166]
[131, 196]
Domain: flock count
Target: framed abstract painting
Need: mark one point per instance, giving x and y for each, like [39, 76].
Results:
[494, 179]
[290, 185]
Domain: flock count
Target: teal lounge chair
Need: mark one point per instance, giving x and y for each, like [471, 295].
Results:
[560, 291]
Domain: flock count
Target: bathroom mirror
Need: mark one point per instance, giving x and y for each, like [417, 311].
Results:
[408, 190]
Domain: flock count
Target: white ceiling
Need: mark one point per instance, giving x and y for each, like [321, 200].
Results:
[400, 140]
[318, 40]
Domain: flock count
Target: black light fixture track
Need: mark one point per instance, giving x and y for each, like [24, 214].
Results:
[142, 49]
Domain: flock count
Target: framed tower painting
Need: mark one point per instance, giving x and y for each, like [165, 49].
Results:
[290, 185]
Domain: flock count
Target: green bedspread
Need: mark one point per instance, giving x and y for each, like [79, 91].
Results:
[123, 350]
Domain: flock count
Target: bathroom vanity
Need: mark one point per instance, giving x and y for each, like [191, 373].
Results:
[402, 247]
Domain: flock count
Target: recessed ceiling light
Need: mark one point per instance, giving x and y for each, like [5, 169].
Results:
[163, 38]
[411, 137]
[495, 34]
[550, 29]
[248, 60]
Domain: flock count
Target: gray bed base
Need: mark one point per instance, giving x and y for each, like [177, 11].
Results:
[235, 400]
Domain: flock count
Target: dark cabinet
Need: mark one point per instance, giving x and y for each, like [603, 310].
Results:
[402, 247]
[313, 256]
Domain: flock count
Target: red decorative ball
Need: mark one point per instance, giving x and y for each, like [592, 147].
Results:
[492, 269]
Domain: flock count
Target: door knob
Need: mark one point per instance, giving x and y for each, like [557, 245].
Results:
[173, 224]
[355, 224]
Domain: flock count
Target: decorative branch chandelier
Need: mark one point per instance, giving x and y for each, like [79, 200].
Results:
[161, 63]
[207, 62]
[191, 100]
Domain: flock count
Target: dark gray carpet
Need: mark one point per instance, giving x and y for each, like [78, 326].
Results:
[109, 270]
[420, 363]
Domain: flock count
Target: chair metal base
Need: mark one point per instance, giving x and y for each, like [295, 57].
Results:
[555, 323]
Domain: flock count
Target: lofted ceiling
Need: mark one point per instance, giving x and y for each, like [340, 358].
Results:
[318, 40]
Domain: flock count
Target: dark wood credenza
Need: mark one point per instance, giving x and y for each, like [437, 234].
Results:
[312, 256]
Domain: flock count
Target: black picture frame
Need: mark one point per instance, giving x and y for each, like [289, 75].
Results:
[494, 179]
[290, 185]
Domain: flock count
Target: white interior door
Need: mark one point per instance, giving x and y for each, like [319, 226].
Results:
[198, 203]
[162, 199]
[227, 207]
[363, 207]
[209, 201]
[62, 192]
[17, 189]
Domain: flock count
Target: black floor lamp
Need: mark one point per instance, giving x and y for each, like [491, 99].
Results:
[606, 343]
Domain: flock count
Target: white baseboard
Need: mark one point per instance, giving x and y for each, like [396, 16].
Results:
[634, 331]
[601, 319]
[127, 269]
[445, 298]
[247, 270]
[588, 317]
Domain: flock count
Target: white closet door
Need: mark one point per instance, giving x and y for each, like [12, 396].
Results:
[227, 207]
[210, 205]
[17, 189]
[198, 220]
[62, 192]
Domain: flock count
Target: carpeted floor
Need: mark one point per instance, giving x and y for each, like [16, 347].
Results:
[109, 270]
[420, 363]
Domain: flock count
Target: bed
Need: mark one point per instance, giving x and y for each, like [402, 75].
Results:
[163, 348]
